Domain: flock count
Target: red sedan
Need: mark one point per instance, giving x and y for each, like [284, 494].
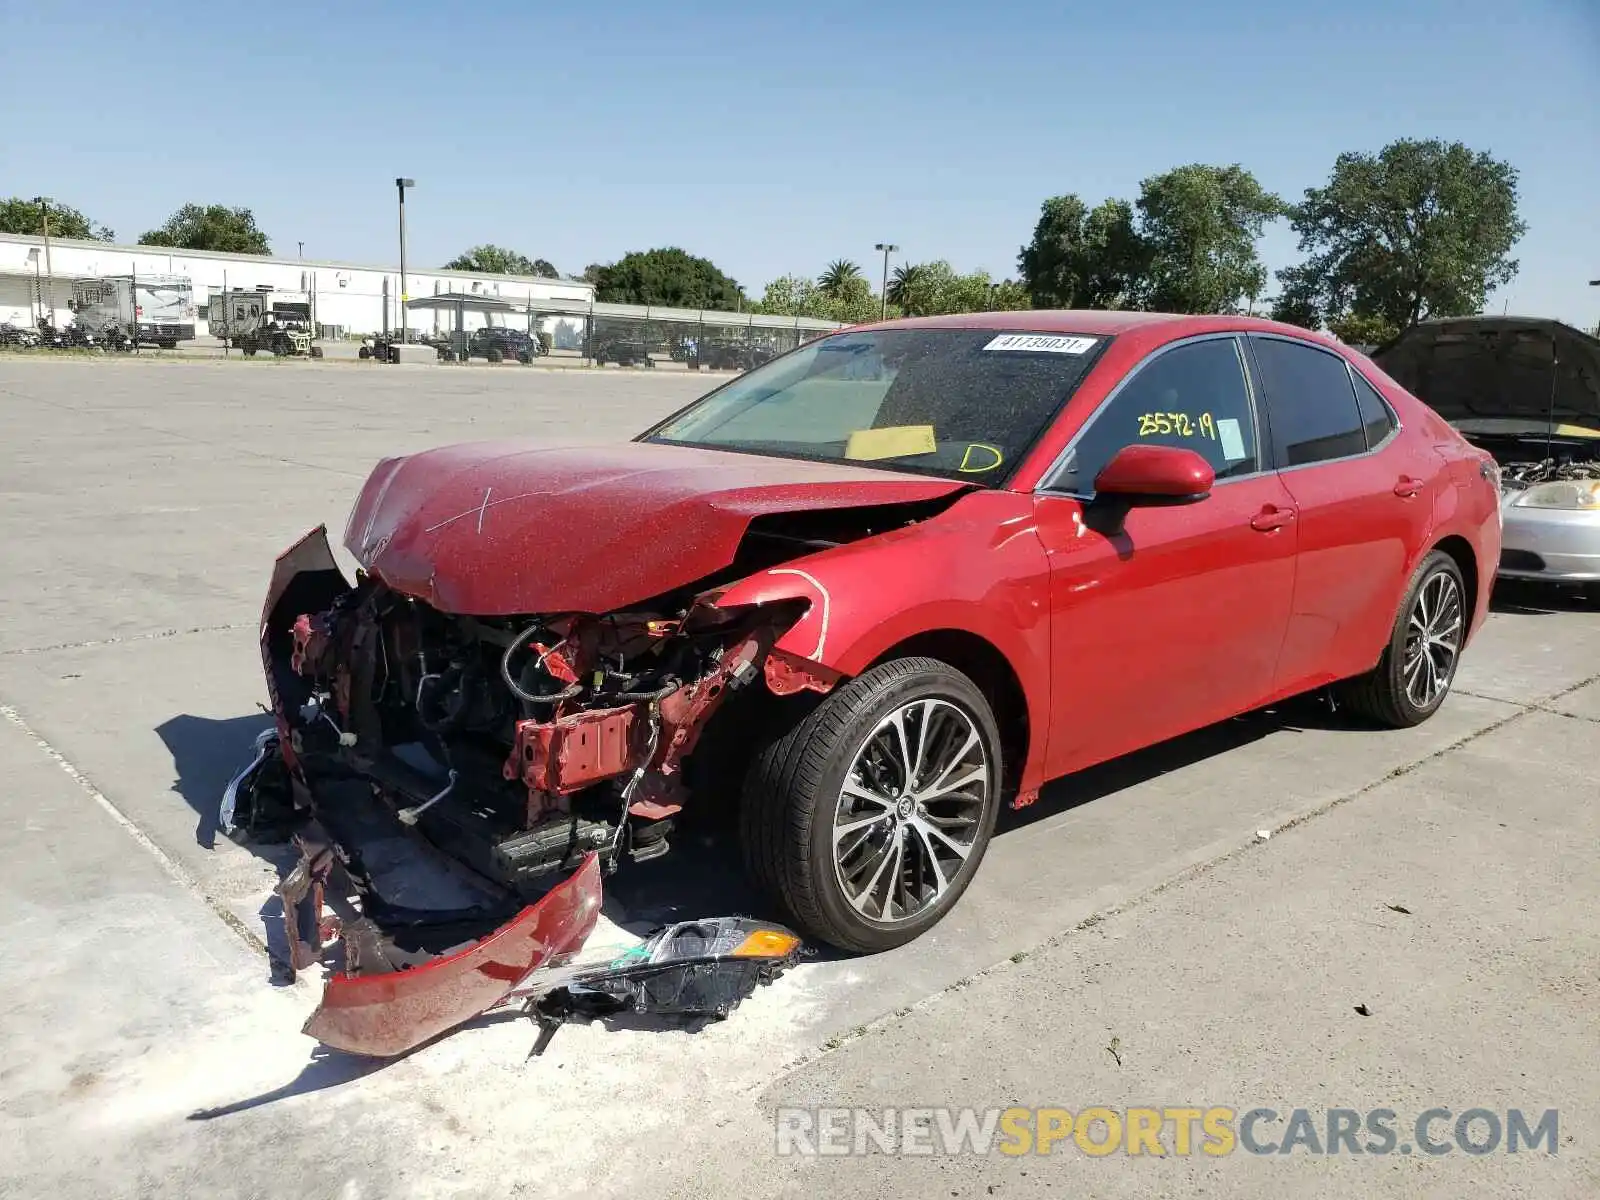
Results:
[870, 592]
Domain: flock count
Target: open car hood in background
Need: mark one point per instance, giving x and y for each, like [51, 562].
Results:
[1499, 368]
[511, 527]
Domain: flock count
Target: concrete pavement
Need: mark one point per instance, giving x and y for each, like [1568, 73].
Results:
[140, 506]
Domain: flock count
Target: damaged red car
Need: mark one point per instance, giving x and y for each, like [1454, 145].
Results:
[868, 593]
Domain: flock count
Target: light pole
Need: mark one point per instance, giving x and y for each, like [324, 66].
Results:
[400, 186]
[883, 308]
[49, 275]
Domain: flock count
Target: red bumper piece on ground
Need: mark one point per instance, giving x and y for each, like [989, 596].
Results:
[386, 1015]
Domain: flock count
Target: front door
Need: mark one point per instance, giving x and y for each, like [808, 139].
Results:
[1176, 619]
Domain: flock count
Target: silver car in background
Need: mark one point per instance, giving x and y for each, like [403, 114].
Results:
[1528, 391]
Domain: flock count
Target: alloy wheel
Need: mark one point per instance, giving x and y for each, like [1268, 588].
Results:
[1433, 640]
[911, 810]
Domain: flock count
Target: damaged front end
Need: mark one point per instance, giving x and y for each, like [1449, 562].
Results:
[531, 754]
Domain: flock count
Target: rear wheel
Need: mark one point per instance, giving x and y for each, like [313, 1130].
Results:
[867, 819]
[1418, 666]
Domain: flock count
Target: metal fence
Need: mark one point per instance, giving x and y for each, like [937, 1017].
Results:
[330, 309]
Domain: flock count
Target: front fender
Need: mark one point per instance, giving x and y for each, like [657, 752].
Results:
[979, 568]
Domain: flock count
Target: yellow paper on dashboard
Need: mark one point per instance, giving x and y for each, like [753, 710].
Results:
[895, 441]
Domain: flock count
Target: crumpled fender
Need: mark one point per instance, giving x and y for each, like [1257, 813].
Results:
[388, 1014]
[866, 597]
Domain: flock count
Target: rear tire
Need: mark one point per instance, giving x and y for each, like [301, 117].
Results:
[1419, 664]
[795, 804]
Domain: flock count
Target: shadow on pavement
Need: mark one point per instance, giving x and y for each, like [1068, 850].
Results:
[1524, 597]
[327, 1069]
[1310, 711]
[206, 754]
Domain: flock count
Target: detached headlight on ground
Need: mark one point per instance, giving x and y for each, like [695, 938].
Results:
[1580, 494]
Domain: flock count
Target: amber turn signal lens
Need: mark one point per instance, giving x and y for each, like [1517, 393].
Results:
[767, 943]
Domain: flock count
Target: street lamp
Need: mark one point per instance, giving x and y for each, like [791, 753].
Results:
[883, 308]
[400, 186]
[49, 275]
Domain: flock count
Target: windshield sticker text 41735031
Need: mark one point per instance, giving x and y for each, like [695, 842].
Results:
[1041, 343]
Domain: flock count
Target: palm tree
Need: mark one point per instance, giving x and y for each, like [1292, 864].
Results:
[838, 276]
[904, 286]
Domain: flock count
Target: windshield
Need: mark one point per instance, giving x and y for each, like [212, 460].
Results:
[966, 403]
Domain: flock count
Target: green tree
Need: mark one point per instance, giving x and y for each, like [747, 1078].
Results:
[840, 277]
[1083, 258]
[19, 215]
[210, 227]
[910, 289]
[1009, 296]
[1424, 228]
[667, 276]
[936, 288]
[854, 303]
[591, 273]
[1199, 225]
[497, 260]
[1360, 330]
[788, 296]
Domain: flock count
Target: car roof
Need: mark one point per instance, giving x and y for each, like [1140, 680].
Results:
[1103, 322]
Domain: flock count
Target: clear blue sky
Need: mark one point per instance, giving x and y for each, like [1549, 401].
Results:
[774, 137]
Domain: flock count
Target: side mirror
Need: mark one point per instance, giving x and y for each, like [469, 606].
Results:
[1155, 475]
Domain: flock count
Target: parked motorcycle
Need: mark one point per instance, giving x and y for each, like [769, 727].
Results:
[50, 337]
[80, 338]
[18, 336]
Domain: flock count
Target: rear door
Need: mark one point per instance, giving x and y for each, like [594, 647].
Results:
[1365, 501]
[1176, 620]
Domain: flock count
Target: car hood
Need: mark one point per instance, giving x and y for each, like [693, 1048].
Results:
[1499, 369]
[511, 527]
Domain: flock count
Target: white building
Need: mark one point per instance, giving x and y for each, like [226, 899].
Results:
[347, 298]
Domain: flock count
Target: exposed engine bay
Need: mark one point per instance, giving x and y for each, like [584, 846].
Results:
[1550, 470]
[513, 760]
[516, 746]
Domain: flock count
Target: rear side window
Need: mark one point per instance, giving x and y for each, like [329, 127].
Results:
[1193, 396]
[1376, 418]
[1310, 401]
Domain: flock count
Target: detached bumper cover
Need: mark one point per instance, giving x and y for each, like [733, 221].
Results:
[388, 1014]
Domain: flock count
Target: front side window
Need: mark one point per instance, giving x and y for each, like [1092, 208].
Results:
[1193, 396]
[1311, 402]
[964, 403]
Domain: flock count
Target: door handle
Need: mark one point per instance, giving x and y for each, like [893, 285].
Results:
[1407, 487]
[1270, 518]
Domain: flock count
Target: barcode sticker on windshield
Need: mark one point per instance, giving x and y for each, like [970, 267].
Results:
[1041, 343]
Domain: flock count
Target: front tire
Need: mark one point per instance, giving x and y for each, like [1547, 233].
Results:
[1419, 664]
[867, 819]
